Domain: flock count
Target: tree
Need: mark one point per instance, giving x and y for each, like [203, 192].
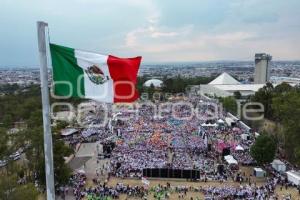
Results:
[10, 190]
[264, 96]
[3, 143]
[179, 84]
[7, 185]
[35, 155]
[264, 149]
[7, 120]
[59, 126]
[286, 109]
[229, 104]
[25, 192]
[282, 105]
[24, 104]
[61, 170]
[282, 88]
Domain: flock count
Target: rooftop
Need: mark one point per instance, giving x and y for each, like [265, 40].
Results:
[224, 79]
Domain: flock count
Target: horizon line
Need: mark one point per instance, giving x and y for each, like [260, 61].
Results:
[161, 62]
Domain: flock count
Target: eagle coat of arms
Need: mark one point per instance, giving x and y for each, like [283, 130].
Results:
[96, 75]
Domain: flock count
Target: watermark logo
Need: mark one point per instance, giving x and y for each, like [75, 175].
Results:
[156, 106]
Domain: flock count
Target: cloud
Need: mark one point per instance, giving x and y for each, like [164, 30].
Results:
[161, 40]
[153, 32]
[189, 44]
[158, 30]
[242, 28]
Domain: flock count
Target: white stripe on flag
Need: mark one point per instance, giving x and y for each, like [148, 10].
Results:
[102, 92]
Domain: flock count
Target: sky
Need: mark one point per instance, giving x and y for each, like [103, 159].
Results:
[158, 30]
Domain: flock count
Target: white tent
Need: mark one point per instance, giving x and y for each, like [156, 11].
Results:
[116, 115]
[230, 160]
[208, 125]
[239, 148]
[224, 79]
[221, 121]
[228, 157]
[80, 170]
[68, 131]
[278, 165]
[259, 172]
[293, 177]
[257, 134]
[229, 121]
[244, 136]
[154, 82]
[245, 126]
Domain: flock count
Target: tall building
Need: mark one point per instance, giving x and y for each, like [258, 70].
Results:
[262, 68]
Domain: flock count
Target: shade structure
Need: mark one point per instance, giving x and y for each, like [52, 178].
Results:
[224, 79]
[239, 148]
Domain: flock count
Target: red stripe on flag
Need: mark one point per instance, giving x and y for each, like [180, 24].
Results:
[124, 72]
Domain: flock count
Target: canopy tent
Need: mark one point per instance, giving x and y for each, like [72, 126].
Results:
[239, 148]
[259, 172]
[230, 160]
[256, 134]
[68, 131]
[229, 121]
[245, 126]
[80, 171]
[116, 115]
[208, 125]
[224, 79]
[228, 157]
[278, 165]
[293, 177]
[245, 136]
[221, 121]
[154, 82]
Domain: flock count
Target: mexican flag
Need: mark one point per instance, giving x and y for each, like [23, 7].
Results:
[84, 74]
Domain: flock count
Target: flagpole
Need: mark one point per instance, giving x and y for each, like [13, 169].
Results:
[48, 150]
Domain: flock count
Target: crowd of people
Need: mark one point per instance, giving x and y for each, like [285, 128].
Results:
[176, 141]
[172, 141]
[243, 191]
[75, 187]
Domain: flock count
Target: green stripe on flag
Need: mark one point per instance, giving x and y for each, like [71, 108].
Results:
[65, 68]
